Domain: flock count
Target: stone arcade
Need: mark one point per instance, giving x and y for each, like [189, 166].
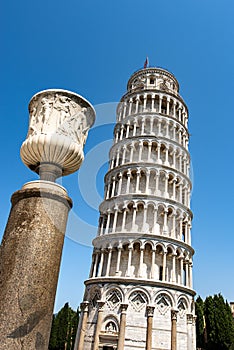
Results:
[139, 294]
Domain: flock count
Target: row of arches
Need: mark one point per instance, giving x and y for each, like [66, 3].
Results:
[148, 181]
[114, 295]
[153, 261]
[145, 217]
[153, 103]
[149, 151]
[152, 125]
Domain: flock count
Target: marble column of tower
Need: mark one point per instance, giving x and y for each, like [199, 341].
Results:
[142, 252]
[32, 244]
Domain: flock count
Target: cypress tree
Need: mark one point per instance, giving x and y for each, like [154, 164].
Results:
[209, 312]
[53, 335]
[64, 327]
[219, 324]
[200, 324]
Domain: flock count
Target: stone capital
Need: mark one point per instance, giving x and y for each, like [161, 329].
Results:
[174, 314]
[101, 304]
[84, 306]
[190, 318]
[150, 310]
[123, 307]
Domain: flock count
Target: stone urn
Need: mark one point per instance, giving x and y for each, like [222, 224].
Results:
[58, 128]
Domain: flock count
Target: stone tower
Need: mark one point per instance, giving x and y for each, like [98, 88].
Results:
[139, 294]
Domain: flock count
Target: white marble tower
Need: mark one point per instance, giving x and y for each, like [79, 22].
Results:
[139, 294]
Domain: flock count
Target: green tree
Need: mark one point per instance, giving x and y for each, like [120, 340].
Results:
[63, 329]
[200, 322]
[219, 324]
[209, 312]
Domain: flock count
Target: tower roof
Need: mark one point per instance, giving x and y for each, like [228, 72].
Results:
[140, 76]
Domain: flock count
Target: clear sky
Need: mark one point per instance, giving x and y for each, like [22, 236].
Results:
[92, 48]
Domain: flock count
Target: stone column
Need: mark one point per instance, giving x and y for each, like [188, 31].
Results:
[109, 261]
[156, 183]
[140, 150]
[130, 248]
[92, 265]
[124, 218]
[174, 268]
[181, 270]
[124, 154]
[137, 103]
[159, 161]
[138, 174]
[108, 221]
[147, 181]
[122, 327]
[118, 259]
[160, 104]
[113, 186]
[32, 244]
[190, 331]
[134, 217]
[79, 344]
[164, 266]
[130, 106]
[131, 152]
[150, 315]
[121, 132]
[115, 218]
[141, 262]
[98, 325]
[152, 102]
[120, 183]
[174, 329]
[152, 273]
[127, 131]
[95, 264]
[142, 126]
[29, 264]
[168, 106]
[101, 263]
[149, 151]
[128, 180]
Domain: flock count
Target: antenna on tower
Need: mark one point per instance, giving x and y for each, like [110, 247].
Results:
[146, 64]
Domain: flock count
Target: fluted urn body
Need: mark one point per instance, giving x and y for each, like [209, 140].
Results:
[58, 128]
[142, 260]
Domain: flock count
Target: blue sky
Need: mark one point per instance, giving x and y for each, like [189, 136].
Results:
[92, 48]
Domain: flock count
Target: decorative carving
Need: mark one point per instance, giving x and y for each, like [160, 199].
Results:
[182, 307]
[114, 299]
[163, 303]
[139, 82]
[138, 300]
[111, 327]
[58, 128]
[94, 300]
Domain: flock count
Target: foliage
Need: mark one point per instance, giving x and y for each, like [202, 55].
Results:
[200, 322]
[63, 330]
[215, 325]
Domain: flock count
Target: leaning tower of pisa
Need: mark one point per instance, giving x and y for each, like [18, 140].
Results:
[139, 294]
